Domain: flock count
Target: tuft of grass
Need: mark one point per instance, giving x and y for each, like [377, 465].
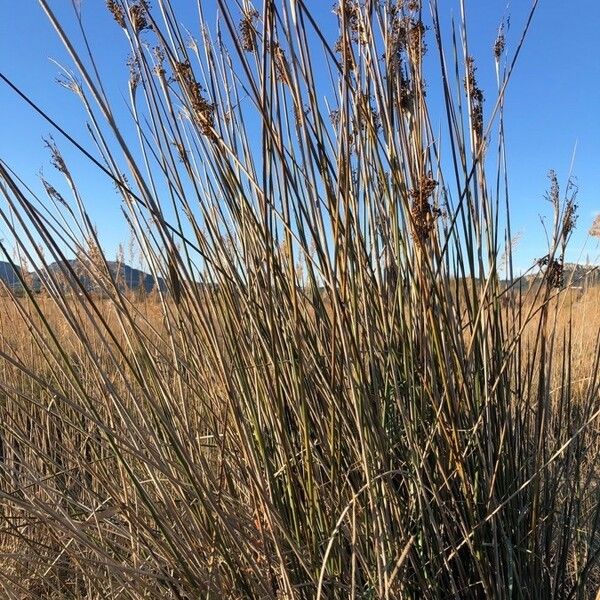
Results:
[338, 395]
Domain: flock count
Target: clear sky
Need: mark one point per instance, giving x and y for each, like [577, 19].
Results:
[552, 114]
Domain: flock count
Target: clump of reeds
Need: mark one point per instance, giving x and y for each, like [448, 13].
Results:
[337, 396]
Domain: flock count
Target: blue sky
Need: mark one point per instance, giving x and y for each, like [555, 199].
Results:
[551, 111]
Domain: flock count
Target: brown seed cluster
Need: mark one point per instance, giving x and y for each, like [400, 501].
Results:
[407, 33]
[415, 36]
[476, 96]
[556, 274]
[281, 65]
[117, 12]
[56, 158]
[554, 271]
[345, 50]
[569, 218]
[500, 43]
[138, 13]
[423, 213]
[554, 194]
[554, 267]
[159, 61]
[134, 71]
[202, 110]
[406, 50]
[248, 30]
[352, 29]
[348, 13]
[53, 192]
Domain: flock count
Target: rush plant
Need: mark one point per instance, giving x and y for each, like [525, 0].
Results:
[341, 391]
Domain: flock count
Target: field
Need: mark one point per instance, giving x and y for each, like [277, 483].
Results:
[343, 391]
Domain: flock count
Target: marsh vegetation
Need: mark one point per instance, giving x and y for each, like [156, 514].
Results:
[336, 394]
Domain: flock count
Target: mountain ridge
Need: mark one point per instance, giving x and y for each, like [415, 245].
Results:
[127, 277]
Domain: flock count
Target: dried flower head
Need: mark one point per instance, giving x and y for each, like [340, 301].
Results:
[348, 13]
[159, 61]
[352, 30]
[407, 92]
[281, 65]
[415, 32]
[476, 96]
[134, 72]
[569, 218]
[345, 50]
[56, 158]
[553, 271]
[423, 213]
[70, 83]
[553, 196]
[201, 109]
[53, 192]
[117, 12]
[500, 43]
[248, 30]
[138, 13]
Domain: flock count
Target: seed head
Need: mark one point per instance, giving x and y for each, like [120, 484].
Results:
[423, 213]
[159, 61]
[138, 13]
[476, 96]
[500, 43]
[554, 271]
[553, 195]
[56, 158]
[53, 192]
[281, 65]
[202, 110]
[117, 12]
[569, 218]
[416, 40]
[134, 71]
[248, 31]
[348, 13]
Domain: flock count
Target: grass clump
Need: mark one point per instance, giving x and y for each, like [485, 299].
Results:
[336, 394]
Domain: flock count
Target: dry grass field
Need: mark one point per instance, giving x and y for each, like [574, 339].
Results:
[334, 396]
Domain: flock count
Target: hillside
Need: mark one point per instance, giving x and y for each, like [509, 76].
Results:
[128, 277]
[9, 275]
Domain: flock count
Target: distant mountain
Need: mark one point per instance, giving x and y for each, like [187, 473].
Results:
[10, 275]
[574, 275]
[127, 277]
[577, 275]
